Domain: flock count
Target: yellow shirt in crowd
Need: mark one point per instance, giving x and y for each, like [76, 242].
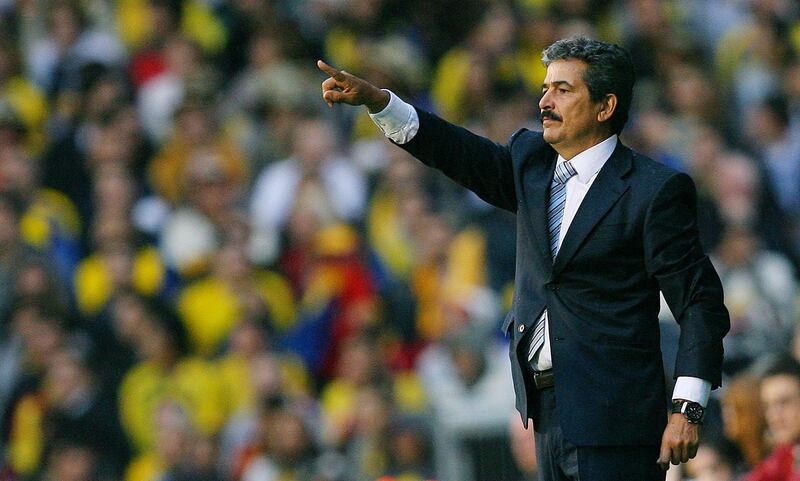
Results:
[210, 308]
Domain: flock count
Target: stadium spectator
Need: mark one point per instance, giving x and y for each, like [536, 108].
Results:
[780, 395]
[716, 460]
[194, 230]
[71, 461]
[234, 292]
[165, 375]
[467, 381]
[77, 410]
[312, 178]
[289, 452]
[762, 288]
[743, 418]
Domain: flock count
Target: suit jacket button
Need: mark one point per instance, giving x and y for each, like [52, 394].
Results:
[521, 327]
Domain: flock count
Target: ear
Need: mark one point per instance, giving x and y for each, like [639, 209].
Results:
[607, 107]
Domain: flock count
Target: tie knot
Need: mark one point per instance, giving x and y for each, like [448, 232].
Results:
[564, 171]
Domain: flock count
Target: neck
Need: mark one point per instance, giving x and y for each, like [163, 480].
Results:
[568, 151]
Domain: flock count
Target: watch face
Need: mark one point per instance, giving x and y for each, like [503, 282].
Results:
[694, 411]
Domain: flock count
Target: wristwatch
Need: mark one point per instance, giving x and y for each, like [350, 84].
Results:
[693, 411]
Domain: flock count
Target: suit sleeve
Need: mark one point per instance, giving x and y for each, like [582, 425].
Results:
[688, 280]
[474, 162]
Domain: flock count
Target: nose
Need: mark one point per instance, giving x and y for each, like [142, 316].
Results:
[546, 102]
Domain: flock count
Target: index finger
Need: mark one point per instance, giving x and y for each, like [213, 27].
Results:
[336, 74]
[664, 457]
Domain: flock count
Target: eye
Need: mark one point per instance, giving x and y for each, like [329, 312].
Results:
[562, 90]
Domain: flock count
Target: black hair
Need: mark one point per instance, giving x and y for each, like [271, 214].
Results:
[610, 71]
[783, 365]
[726, 450]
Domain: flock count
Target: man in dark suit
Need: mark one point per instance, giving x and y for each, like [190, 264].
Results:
[600, 231]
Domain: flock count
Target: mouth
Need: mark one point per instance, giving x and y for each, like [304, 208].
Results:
[548, 116]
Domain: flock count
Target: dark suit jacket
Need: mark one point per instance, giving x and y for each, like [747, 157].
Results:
[634, 234]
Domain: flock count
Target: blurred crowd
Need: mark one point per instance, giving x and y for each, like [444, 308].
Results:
[208, 275]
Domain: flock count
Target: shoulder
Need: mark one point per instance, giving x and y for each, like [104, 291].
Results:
[655, 177]
[525, 139]
[526, 143]
[645, 167]
[773, 466]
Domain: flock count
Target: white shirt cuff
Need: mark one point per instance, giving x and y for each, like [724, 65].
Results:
[398, 120]
[692, 389]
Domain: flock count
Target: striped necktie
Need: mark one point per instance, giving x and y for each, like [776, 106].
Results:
[555, 213]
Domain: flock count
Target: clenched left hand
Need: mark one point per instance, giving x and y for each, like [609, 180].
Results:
[679, 442]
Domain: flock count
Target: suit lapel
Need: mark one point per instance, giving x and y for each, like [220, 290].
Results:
[537, 186]
[604, 192]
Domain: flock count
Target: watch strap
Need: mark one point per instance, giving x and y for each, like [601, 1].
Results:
[682, 406]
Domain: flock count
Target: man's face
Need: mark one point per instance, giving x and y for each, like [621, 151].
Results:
[569, 116]
[781, 397]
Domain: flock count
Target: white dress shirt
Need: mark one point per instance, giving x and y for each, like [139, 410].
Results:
[587, 164]
[399, 121]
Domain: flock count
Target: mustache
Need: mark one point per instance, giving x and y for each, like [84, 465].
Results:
[549, 114]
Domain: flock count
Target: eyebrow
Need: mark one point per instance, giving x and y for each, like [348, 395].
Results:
[557, 83]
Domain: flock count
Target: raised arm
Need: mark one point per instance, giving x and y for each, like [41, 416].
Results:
[474, 162]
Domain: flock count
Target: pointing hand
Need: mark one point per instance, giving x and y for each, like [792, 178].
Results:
[343, 87]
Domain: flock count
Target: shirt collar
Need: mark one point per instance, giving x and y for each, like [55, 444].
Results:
[591, 160]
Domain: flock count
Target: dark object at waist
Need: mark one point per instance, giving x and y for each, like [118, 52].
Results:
[543, 379]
